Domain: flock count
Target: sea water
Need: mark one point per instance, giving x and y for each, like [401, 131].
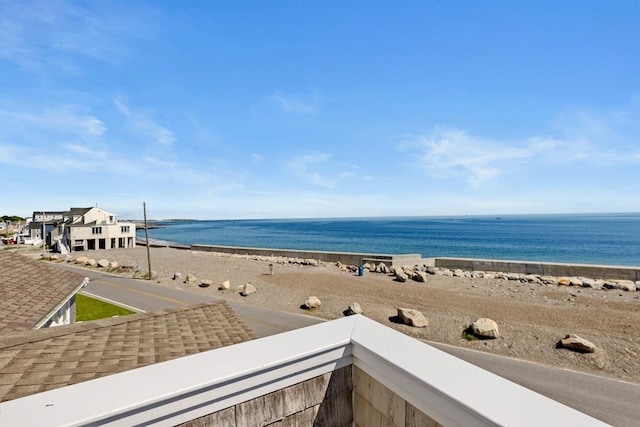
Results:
[612, 239]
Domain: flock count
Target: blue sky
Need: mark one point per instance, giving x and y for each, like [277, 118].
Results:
[256, 109]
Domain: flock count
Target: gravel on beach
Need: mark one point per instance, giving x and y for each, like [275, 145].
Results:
[532, 317]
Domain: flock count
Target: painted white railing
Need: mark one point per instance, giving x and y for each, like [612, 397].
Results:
[447, 389]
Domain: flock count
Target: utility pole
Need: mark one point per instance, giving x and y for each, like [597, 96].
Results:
[146, 237]
[44, 237]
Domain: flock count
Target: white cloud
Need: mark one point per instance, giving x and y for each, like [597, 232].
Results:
[87, 151]
[142, 124]
[41, 36]
[304, 167]
[447, 153]
[64, 119]
[605, 138]
[292, 104]
[577, 137]
[256, 159]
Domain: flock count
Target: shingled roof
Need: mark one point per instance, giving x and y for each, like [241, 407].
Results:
[45, 359]
[31, 290]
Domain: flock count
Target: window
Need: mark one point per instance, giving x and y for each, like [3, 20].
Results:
[96, 230]
[124, 229]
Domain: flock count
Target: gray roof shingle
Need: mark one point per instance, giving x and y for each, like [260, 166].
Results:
[39, 360]
[30, 290]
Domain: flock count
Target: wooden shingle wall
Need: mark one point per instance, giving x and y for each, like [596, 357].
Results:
[376, 406]
[325, 400]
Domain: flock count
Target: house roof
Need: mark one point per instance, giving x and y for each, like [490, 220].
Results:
[31, 290]
[79, 211]
[45, 359]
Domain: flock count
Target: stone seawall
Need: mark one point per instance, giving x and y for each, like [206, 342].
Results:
[343, 257]
[541, 268]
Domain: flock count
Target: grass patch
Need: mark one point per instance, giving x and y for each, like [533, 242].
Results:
[88, 308]
[468, 334]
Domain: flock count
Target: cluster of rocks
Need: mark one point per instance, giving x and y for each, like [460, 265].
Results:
[419, 274]
[90, 262]
[270, 258]
[485, 328]
[244, 290]
[625, 285]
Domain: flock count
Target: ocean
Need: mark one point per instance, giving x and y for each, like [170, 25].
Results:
[610, 239]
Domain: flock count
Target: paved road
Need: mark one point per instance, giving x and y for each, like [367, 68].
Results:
[613, 401]
[143, 296]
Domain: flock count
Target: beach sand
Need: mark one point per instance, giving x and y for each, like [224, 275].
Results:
[531, 318]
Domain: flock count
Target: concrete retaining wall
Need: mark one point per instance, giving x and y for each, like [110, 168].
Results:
[541, 268]
[343, 257]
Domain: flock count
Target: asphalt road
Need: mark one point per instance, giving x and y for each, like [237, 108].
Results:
[610, 400]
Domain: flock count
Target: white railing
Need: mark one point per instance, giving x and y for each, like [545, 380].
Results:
[447, 389]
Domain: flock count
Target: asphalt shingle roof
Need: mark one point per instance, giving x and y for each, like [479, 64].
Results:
[45, 359]
[31, 289]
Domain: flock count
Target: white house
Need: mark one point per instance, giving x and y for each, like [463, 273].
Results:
[92, 228]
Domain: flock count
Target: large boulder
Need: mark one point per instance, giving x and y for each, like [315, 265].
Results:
[113, 265]
[312, 302]
[91, 262]
[401, 276]
[82, 260]
[587, 282]
[382, 268]
[224, 285]
[177, 275]
[575, 343]
[205, 283]
[190, 279]
[104, 263]
[412, 317]
[485, 328]
[420, 276]
[574, 281]
[532, 278]
[248, 289]
[549, 280]
[622, 285]
[353, 309]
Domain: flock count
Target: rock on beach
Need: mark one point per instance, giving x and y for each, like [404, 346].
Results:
[576, 343]
[485, 328]
[412, 317]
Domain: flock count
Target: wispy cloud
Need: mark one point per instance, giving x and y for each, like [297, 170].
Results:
[447, 153]
[293, 104]
[256, 159]
[87, 151]
[600, 138]
[577, 137]
[305, 167]
[141, 122]
[63, 118]
[43, 36]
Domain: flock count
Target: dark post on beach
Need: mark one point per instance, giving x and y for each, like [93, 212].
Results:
[146, 237]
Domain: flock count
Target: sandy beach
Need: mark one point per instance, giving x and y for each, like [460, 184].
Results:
[531, 317]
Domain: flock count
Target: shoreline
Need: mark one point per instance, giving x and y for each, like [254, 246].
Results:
[526, 267]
